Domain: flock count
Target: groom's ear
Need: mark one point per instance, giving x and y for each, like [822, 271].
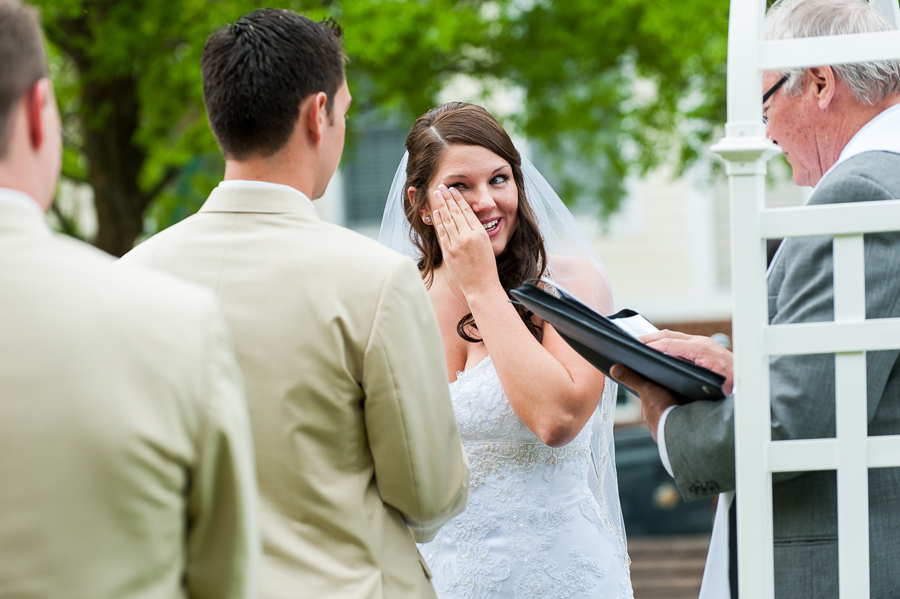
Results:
[35, 100]
[316, 116]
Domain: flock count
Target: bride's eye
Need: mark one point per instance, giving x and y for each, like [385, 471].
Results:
[499, 179]
[458, 185]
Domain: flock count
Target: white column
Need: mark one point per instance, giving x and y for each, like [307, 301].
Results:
[746, 159]
[852, 423]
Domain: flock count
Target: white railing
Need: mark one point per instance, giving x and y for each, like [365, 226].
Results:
[851, 453]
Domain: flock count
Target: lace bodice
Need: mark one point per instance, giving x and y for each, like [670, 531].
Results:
[497, 441]
[532, 527]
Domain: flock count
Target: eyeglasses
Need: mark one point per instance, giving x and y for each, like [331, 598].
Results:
[771, 91]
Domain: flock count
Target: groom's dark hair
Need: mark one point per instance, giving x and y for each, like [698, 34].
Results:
[258, 71]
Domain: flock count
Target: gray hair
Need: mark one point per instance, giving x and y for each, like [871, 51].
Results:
[870, 82]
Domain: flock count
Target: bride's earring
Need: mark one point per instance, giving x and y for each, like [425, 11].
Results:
[427, 220]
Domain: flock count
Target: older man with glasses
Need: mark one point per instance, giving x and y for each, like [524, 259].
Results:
[839, 128]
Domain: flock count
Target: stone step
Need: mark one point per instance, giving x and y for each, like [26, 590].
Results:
[674, 589]
[667, 567]
[669, 545]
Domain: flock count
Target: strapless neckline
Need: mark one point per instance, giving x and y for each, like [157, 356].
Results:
[460, 374]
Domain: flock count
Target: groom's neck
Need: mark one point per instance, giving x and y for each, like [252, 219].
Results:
[282, 167]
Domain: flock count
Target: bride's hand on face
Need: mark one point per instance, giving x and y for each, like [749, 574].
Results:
[465, 245]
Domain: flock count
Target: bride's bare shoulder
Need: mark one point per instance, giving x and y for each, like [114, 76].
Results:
[575, 268]
[568, 264]
[584, 279]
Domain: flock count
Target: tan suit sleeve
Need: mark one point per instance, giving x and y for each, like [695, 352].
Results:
[223, 546]
[420, 466]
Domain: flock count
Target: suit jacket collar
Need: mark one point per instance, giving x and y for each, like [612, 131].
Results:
[259, 200]
[22, 219]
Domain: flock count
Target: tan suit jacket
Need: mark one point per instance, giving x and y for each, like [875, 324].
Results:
[356, 444]
[126, 465]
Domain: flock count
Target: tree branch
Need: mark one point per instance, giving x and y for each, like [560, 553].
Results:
[171, 173]
[67, 224]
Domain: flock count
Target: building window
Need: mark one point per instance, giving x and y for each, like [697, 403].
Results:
[369, 172]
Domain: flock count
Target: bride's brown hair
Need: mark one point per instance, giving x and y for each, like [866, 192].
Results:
[467, 124]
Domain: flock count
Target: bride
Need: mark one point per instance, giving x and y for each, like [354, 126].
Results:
[543, 517]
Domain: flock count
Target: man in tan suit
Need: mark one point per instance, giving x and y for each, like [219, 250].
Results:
[126, 466]
[357, 449]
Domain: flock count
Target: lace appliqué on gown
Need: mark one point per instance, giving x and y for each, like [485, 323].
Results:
[532, 527]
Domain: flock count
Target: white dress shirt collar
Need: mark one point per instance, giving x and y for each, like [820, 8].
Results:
[20, 198]
[245, 184]
[878, 135]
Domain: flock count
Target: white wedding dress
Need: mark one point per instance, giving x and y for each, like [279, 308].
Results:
[536, 524]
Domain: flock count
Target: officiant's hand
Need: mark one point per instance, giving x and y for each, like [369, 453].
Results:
[697, 349]
[654, 399]
[465, 245]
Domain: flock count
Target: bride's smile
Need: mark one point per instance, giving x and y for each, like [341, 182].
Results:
[485, 181]
[491, 225]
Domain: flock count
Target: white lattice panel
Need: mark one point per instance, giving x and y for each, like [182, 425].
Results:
[851, 453]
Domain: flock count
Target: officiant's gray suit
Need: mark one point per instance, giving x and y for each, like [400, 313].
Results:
[700, 436]
[357, 447]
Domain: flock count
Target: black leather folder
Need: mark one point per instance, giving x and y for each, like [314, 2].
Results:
[603, 343]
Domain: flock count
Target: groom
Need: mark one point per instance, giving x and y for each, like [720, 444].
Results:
[357, 449]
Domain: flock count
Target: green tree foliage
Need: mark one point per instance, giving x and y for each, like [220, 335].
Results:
[621, 84]
[128, 81]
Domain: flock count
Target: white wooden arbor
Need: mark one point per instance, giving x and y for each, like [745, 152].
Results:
[851, 453]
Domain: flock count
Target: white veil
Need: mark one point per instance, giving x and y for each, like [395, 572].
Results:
[575, 266]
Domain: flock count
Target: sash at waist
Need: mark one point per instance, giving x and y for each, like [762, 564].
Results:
[498, 459]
